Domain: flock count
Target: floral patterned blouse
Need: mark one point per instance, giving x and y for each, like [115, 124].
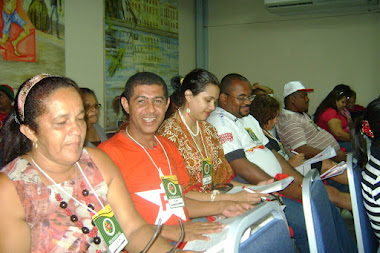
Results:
[175, 130]
[51, 228]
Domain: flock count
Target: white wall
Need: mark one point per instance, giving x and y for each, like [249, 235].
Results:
[319, 51]
[84, 44]
[186, 24]
[244, 38]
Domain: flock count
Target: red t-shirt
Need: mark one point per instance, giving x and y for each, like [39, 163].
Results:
[357, 108]
[142, 177]
[329, 114]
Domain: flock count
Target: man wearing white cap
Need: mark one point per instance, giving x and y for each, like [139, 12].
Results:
[297, 130]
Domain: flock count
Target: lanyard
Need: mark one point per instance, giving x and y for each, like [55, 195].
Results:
[271, 136]
[188, 128]
[155, 165]
[65, 192]
[202, 139]
[268, 134]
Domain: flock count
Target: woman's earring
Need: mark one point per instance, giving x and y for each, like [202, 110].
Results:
[188, 109]
[35, 145]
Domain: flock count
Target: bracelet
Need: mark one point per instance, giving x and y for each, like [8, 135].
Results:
[213, 195]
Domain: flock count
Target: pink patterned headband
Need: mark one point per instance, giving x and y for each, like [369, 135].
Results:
[24, 93]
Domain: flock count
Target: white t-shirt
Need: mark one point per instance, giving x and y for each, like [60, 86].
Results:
[244, 136]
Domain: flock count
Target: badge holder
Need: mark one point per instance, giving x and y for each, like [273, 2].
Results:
[206, 171]
[173, 191]
[110, 229]
[252, 134]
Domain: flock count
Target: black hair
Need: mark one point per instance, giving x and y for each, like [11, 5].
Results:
[227, 81]
[345, 88]
[359, 143]
[14, 143]
[143, 78]
[175, 97]
[176, 81]
[195, 81]
[330, 101]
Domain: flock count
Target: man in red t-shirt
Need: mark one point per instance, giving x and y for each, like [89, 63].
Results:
[153, 168]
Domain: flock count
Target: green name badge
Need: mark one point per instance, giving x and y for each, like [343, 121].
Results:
[252, 134]
[173, 191]
[110, 229]
[206, 171]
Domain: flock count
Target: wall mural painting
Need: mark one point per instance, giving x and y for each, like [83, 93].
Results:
[31, 39]
[140, 35]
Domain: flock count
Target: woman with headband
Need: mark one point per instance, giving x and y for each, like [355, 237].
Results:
[198, 141]
[55, 195]
[366, 134]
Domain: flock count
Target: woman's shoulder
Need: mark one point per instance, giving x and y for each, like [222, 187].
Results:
[19, 169]
[207, 125]
[91, 153]
[329, 113]
[168, 143]
[171, 127]
[98, 160]
[168, 123]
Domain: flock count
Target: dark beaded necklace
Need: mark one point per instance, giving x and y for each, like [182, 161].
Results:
[93, 233]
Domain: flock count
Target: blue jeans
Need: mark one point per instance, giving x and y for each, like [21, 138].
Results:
[346, 145]
[295, 217]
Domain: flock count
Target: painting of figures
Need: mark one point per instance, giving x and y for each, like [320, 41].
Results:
[31, 39]
[140, 35]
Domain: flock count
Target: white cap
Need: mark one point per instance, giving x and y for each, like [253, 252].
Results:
[294, 86]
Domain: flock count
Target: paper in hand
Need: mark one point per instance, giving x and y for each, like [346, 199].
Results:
[268, 188]
[325, 154]
[335, 170]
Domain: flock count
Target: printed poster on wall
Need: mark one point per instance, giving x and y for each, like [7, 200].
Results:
[140, 35]
[31, 40]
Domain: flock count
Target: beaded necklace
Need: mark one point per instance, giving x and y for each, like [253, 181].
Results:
[188, 128]
[63, 204]
[202, 140]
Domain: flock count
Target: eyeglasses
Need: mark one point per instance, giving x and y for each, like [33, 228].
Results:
[242, 99]
[95, 106]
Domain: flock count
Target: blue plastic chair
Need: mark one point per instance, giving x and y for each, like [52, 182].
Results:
[269, 231]
[262, 229]
[365, 237]
[325, 227]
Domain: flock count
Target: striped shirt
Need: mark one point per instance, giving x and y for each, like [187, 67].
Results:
[371, 189]
[296, 129]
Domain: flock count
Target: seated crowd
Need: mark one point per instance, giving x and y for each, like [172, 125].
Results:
[62, 176]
